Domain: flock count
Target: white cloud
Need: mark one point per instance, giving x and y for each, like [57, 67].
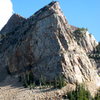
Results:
[6, 11]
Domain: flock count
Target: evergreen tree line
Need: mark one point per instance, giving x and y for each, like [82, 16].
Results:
[80, 93]
[29, 82]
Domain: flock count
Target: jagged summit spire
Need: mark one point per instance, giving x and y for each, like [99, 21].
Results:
[48, 10]
[53, 4]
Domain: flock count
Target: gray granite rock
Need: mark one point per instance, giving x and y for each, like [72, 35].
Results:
[45, 44]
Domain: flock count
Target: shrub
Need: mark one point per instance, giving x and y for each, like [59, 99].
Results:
[82, 29]
[79, 30]
[97, 97]
[80, 93]
[28, 80]
[59, 82]
[42, 80]
[32, 85]
[79, 34]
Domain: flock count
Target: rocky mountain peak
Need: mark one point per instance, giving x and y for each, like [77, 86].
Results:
[48, 10]
[46, 45]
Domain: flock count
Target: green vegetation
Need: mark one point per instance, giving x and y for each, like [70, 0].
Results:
[79, 34]
[97, 97]
[80, 93]
[59, 82]
[29, 81]
[79, 30]
[82, 29]
[42, 82]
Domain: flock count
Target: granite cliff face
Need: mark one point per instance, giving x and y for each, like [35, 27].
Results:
[85, 39]
[95, 55]
[46, 45]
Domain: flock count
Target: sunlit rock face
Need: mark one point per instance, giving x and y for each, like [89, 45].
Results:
[45, 44]
[85, 39]
[95, 55]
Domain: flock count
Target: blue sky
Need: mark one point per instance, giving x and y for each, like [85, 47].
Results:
[80, 13]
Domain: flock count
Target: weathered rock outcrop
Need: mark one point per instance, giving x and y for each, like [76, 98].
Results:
[44, 43]
[85, 39]
[13, 24]
[95, 55]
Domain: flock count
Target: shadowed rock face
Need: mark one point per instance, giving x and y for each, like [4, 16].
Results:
[12, 25]
[44, 43]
